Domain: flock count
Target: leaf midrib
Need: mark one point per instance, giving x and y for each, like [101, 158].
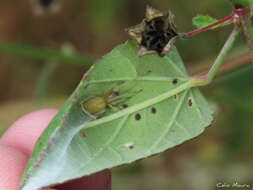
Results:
[145, 78]
[142, 105]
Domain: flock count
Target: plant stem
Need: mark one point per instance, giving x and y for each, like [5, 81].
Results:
[45, 54]
[229, 65]
[44, 81]
[245, 26]
[208, 78]
[228, 20]
[197, 31]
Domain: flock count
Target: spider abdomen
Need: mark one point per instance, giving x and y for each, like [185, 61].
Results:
[95, 105]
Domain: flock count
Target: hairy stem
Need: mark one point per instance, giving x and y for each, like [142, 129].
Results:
[208, 78]
[245, 26]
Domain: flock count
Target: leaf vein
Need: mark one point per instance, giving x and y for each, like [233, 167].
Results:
[196, 105]
[177, 68]
[184, 128]
[110, 140]
[165, 132]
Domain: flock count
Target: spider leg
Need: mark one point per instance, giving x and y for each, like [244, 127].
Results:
[113, 108]
[115, 89]
[100, 113]
[116, 86]
[122, 97]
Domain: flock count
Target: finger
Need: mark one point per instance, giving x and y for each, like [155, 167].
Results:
[12, 165]
[98, 181]
[23, 134]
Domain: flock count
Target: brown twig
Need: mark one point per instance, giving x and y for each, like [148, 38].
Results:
[246, 30]
[229, 65]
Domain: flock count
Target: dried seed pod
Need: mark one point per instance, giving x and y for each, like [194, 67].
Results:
[45, 3]
[156, 34]
[44, 7]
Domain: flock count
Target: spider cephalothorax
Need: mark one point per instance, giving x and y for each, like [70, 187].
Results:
[96, 105]
[156, 33]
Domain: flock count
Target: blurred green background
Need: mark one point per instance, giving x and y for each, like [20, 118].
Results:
[82, 31]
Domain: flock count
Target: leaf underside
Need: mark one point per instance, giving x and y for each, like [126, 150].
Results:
[163, 111]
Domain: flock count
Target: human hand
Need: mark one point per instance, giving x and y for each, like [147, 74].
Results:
[16, 147]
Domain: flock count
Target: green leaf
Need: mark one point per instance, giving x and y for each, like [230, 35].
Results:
[164, 110]
[201, 21]
[243, 2]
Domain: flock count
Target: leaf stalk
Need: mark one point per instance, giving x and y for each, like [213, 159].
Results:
[208, 78]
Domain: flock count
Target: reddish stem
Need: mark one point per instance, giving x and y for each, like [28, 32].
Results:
[242, 11]
[228, 66]
[228, 19]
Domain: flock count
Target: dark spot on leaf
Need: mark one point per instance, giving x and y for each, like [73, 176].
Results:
[175, 81]
[175, 96]
[153, 110]
[124, 105]
[36, 165]
[137, 117]
[83, 135]
[190, 102]
[97, 61]
[51, 142]
[45, 3]
[129, 145]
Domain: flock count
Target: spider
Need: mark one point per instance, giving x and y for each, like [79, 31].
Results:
[95, 106]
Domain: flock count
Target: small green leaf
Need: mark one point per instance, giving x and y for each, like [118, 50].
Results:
[201, 21]
[163, 111]
[243, 2]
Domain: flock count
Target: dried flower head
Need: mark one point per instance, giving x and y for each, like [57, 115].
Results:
[41, 7]
[156, 33]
